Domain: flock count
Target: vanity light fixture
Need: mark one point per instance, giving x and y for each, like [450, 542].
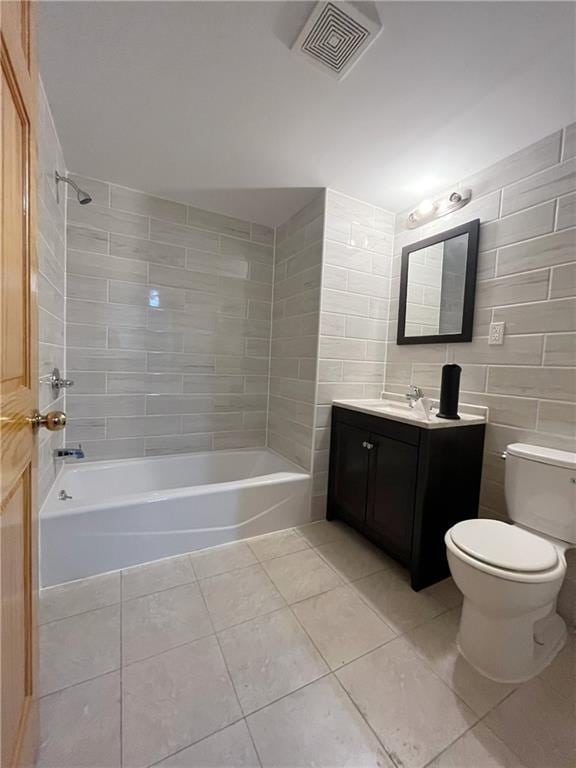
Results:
[433, 209]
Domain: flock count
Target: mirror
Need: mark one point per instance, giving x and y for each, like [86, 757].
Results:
[437, 285]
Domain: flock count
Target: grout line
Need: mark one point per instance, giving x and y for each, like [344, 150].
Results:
[80, 682]
[121, 675]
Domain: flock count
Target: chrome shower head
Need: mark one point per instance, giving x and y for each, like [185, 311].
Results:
[83, 197]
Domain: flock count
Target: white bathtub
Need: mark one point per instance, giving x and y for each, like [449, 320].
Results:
[126, 512]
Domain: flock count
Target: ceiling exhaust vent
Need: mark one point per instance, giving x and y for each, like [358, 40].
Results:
[335, 37]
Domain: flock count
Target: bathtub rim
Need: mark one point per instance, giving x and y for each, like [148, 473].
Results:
[146, 497]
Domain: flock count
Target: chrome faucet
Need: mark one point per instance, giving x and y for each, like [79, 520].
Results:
[413, 395]
[69, 453]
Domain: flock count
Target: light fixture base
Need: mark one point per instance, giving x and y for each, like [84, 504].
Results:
[429, 210]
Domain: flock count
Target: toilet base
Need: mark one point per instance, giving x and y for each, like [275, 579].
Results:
[510, 650]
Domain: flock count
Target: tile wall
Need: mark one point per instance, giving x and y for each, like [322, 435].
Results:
[526, 279]
[353, 317]
[51, 246]
[294, 348]
[168, 323]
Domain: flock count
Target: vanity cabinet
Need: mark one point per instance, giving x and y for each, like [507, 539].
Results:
[402, 486]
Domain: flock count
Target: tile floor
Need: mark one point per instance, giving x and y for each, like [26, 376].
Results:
[301, 648]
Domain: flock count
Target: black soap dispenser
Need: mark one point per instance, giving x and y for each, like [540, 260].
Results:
[449, 391]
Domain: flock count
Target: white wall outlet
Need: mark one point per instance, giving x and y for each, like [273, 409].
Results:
[496, 333]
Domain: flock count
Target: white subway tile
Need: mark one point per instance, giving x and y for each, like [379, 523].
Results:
[519, 226]
[145, 339]
[139, 202]
[166, 445]
[107, 219]
[105, 267]
[557, 248]
[553, 182]
[80, 335]
[569, 142]
[86, 239]
[515, 289]
[551, 383]
[541, 317]
[560, 349]
[563, 282]
[147, 250]
[567, 213]
[82, 287]
[80, 359]
[217, 222]
[82, 406]
[178, 234]
[557, 418]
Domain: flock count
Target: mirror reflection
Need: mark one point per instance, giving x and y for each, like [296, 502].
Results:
[437, 285]
[435, 291]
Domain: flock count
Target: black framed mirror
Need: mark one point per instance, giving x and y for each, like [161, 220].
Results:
[437, 287]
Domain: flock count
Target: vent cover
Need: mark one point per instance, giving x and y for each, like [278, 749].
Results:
[335, 37]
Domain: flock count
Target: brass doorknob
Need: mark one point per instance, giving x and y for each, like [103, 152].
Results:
[53, 421]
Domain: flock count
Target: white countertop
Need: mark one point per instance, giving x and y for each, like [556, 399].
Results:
[395, 408]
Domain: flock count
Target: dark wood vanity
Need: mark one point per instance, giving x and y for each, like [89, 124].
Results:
[402, 485]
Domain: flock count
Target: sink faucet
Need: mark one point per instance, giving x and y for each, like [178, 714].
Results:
[69, 453]
[413, 395]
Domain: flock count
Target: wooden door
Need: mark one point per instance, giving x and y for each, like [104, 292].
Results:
[349, 471]
[18, 396]
[391, 493]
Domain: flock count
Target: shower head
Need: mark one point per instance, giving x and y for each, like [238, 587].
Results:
[83, 197]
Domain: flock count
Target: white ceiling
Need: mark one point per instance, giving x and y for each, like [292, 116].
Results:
[204, 102]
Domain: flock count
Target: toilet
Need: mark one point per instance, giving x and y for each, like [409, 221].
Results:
[510, 575]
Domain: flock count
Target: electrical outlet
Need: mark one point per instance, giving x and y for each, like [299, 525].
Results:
[496, 334]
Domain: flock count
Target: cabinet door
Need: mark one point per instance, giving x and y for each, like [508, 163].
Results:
[350, 470]
[391, 493]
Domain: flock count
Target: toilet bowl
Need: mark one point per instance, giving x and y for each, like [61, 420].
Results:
[510, 574]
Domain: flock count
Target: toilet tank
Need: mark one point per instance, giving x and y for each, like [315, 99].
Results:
[541, 490]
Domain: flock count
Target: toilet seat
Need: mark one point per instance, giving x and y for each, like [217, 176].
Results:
[504, 546]
[505, 551]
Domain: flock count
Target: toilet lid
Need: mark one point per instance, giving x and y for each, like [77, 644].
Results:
[504, 546]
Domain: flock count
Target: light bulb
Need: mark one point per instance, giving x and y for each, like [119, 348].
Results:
[426, 207]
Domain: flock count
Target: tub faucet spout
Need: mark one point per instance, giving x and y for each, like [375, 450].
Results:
[69, 453]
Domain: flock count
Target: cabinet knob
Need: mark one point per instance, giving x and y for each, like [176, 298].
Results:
[369, 446]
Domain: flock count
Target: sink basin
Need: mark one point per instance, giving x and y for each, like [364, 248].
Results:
[397, 410]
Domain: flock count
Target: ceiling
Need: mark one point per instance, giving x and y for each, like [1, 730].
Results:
[204, 102]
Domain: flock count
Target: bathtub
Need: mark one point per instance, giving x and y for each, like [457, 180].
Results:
[131, 511]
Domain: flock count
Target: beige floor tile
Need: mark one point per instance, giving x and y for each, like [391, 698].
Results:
[79, 596]
[436, 642]
[153, 577]
[80, 727]
[537, 721]
[445, 592]
[78, 648]
[559, 677]
[479, 748]
[230, 748]
[390, 595]
[240, 595]
[414, 714]
[269, 657]
[323, 532]
[315, 727]
[174, 699]
[163, 620]
[277, 544]
[211, 562]
[353, 557]
[301, 575]
[341, 625]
